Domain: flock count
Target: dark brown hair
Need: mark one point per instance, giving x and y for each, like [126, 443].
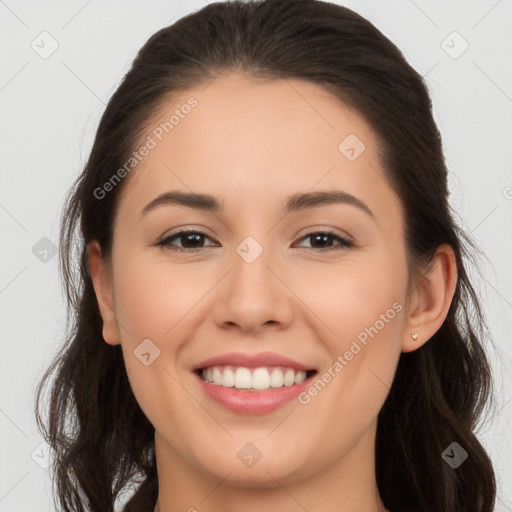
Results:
[99, 433]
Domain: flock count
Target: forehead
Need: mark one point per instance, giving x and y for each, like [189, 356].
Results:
[250, 141]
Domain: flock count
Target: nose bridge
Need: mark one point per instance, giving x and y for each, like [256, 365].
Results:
[253, 295]
[251, 266]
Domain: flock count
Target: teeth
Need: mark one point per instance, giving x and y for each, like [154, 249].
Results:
[289, 378]
[276, 379]
[255, 379]
[242, 378]
[217, 376]
[228, 378]
[260, 379]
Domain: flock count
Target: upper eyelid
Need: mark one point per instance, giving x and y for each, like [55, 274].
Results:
[306, 231]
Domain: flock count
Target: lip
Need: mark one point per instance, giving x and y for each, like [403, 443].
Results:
[252, 361]
[252, 402]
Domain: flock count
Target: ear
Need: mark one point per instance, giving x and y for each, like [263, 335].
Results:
[101, 276]
[430, 299]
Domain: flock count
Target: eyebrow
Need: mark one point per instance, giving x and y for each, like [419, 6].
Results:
[293, 203]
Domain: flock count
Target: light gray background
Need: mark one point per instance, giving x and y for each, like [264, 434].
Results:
[50, 108]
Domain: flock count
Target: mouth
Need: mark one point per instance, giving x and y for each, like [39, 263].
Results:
[252, 384]
[254, 390]
[258, 379]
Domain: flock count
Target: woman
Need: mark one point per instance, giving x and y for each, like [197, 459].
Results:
[272, 309]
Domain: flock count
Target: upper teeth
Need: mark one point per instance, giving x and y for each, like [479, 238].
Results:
[253, 378]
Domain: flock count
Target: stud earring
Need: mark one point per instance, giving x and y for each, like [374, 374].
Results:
[414, 336]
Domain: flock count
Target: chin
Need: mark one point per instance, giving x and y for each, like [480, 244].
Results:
[270, 471]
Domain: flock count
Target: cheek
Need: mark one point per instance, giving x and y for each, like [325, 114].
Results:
[153, 296]
[151, 302]
[354, 298]
[362, 305]
[368, 308]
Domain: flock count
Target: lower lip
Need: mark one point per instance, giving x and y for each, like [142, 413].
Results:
[252, 402]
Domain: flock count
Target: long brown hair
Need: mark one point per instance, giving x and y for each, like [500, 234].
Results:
[100, 435]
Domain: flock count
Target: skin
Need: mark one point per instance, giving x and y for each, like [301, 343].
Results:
[251, 143]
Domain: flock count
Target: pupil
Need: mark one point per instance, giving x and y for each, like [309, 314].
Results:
[196, 236]
[320, 237]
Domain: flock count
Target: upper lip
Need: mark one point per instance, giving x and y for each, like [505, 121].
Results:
[252, 361]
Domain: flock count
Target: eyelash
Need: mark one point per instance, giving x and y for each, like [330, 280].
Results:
[166, 242]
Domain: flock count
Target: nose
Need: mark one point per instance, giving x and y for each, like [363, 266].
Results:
[254, 296]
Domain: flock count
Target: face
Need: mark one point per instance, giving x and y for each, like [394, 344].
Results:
[321, 283]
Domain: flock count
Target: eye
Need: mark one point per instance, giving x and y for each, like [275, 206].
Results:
[323, 237]
[195, 238]
[192, 238]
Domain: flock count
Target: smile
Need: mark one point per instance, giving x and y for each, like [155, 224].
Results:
[253, 379]
[249, 400]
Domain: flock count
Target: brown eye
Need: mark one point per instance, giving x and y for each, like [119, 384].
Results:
[191, 241]
[319, 240]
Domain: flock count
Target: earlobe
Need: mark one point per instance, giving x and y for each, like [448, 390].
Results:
[102, 282]
[432, 298]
